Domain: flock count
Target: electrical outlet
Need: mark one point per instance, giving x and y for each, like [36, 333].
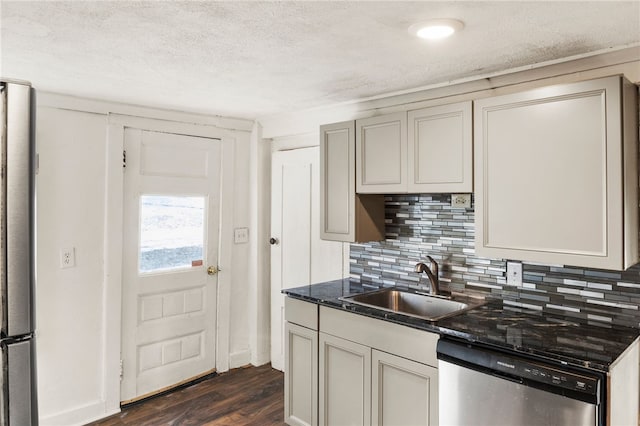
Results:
[514, 274]
[67, 257]
[461, 201]
[241, 235]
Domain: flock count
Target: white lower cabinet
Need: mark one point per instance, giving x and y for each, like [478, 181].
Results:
[300, 363]
[373, 372]
[344, 369]
[403, 392]
[345, 382]
[301, 375]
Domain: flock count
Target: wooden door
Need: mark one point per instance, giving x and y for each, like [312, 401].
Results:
[403, 392]
[298, 256]
[171, 227]
[381, 154]
[344, 382]
[440, 149]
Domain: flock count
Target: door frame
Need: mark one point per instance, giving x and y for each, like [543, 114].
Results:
[114, 229]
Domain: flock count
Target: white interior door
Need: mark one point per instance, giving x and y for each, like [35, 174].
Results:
[171, 226]
[298, 256]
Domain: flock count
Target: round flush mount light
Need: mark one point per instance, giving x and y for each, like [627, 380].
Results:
[436, 28]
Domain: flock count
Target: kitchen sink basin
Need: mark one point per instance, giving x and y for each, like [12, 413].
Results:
[410, 303]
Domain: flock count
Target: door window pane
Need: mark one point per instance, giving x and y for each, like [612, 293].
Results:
[171, 232]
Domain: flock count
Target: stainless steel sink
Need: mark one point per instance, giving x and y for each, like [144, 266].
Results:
[410, 303]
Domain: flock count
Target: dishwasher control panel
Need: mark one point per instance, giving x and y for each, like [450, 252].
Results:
[518, 369]
[544, 374]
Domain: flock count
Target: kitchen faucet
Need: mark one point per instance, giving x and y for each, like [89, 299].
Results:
[432, 273]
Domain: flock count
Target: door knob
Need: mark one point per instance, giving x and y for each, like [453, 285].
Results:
[273, 241]
[212, 270]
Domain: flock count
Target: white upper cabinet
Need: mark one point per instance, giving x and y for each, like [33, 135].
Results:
[440, 149]
[344, 215]
[423, 151]
[381, 154]
[556, 175]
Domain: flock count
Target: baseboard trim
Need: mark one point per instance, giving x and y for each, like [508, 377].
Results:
[239, 359]
[78, 416]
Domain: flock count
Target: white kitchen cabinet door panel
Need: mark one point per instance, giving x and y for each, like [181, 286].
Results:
[381, 154]
[345, 382]
[337, 179]
[344, 215]
[404, 392]
[549, 181]
[301, 375]
[440, 148]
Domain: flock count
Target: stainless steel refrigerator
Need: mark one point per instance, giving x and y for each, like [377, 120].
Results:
[18, 405]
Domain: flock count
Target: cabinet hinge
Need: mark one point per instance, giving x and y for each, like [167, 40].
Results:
[124, 158]
[121, 369]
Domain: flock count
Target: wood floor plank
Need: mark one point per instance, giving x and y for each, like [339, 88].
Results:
[252, 396]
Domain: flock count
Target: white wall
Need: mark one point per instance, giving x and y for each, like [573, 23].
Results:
[69, 308]
[79, 194]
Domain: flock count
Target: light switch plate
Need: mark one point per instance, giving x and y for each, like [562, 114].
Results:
[514, 274]
[241, 235]
[461, 201]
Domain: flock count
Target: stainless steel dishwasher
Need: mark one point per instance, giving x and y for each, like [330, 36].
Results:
[481, 386]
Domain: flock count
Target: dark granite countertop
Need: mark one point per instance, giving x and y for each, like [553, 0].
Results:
[556, 338]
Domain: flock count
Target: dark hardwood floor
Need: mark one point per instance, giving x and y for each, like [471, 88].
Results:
[244, 396]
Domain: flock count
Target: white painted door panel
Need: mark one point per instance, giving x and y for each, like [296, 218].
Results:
[301, 375]
[299, 257]
[344, 382]
[440, 149]
[171, 224]
[381, 154]
[403, 392]
[557, 151]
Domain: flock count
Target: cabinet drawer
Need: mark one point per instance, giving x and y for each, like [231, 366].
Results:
[398, 339]
[301, 313]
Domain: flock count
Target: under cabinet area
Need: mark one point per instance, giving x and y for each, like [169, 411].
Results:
[556, 175]
[344, 215]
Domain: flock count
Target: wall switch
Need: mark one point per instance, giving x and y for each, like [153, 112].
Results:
[241, 235]
[514, 274]
[461, 201]
[67, 257]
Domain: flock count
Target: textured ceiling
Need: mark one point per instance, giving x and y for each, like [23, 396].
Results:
[253, 59]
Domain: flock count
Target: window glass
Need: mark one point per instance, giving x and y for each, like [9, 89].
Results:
[171, 232]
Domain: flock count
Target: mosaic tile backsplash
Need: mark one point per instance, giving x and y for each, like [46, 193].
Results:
[426, 224]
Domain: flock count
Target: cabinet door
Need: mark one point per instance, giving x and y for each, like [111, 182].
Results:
[403, 392]
[337, 181]
[301, 375]
[345, 382]
[440, 149]
[345, 215]
[550, 172]
[381, 154]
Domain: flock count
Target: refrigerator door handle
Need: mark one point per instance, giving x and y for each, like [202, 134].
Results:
[17, 211]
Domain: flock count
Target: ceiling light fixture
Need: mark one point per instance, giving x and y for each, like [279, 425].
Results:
[436, 28]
